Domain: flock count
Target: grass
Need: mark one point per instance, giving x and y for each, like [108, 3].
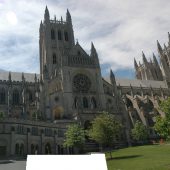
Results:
[149, 157]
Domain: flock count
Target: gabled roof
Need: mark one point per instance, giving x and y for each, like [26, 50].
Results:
[16, 76]
[77, 48]
[138, 83]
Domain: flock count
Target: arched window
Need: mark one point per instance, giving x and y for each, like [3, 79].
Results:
[78, 53]
[21, 150]
[15, 97]
[2, 96]
[32, 149]
[52, 34]
[85, 102]
[30, 96]
[75, 102]
[66, 35]
[17, 149]
[93, 101]
[54, 59]
[59, 35]
[48, 148]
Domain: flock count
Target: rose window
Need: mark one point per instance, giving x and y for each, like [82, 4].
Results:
[81, 83]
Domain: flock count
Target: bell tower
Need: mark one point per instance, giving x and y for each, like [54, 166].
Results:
[56, 38]
[71, 79]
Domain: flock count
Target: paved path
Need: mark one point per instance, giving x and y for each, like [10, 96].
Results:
[13, 165]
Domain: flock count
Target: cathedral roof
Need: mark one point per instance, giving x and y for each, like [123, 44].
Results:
[138, 83]
[16, 76]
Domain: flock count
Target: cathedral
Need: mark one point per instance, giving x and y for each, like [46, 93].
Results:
[35, 109]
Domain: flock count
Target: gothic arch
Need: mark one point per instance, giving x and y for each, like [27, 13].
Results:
[75, 102]
[29, 95]
[21, 149]
[87, 124]
[2, 96]
[47, 148]
[52, 34]
[93, 103]
[85, 102]
[32, 149]
[17, 148]
[59, 35]
[66, 35]
[15, 97]
[54, 59]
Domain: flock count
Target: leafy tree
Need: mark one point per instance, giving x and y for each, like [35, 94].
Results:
[75, 137]
[162, 124]
[162, 127]
[139, 132]
[105, 129]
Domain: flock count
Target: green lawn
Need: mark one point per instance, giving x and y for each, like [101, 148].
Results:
[150, 157]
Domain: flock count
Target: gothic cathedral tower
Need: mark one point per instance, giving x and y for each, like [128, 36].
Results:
[71, 79]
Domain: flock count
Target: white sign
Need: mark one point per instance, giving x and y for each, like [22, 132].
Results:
[66, 162]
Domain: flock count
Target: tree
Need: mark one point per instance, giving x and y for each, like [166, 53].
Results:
[105, 129]
[162, 127]
[162, 124]
[75, 137]
[139, 132]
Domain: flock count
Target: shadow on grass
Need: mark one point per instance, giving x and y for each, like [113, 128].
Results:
[6, 162]
[124, 157]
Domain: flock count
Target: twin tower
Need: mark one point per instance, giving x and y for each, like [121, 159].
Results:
[152, 70]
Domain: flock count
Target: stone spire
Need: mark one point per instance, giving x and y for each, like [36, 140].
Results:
[68, 17]
[41, 26]
[9, 76]
[165, 47]
[159, 48]
[93, 51]
[135, 64]
[155, 60]
[144, 58]
[112, 77]
[46, 15]
[23, 78]
[169, 38]
[35, 77]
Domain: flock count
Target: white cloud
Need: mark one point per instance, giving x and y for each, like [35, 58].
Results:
[120, 29]
[11, 18]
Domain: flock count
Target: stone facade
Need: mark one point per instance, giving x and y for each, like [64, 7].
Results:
[36, 109]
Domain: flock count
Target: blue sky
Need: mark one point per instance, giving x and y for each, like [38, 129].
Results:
[120, 30]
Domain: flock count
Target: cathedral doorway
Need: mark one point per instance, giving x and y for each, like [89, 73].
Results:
[17, 149]
[87, 126]
[48, 148]
[21, 150]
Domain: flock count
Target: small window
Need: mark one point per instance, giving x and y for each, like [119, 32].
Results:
[93, 101]
[2, 96]
[66, 35]
[54, 59]
[30, 97]
[85, 102]
[59, 35]
[15, 97]
[52, 34]
[75, 102]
